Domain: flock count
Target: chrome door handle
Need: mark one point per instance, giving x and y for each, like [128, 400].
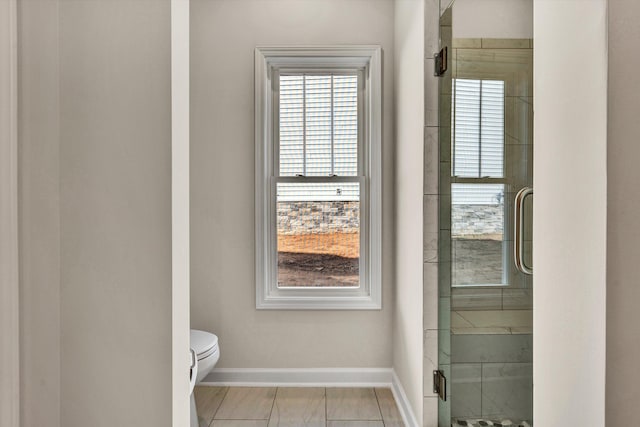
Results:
[518, 231]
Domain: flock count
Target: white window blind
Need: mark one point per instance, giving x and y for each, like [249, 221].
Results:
[318, 134]
[478, 138]
[318, 125]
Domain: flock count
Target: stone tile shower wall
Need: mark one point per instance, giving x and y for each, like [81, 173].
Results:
[493, 376]
[513, 56]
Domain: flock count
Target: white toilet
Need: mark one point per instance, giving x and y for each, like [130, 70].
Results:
[205, 355]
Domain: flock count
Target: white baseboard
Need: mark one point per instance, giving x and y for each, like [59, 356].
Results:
[408, 416]
[306, 377]
[316, 377]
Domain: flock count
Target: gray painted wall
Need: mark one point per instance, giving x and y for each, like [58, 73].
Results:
[39, 223]
[224, 34]
[115, 182]
[623, 268]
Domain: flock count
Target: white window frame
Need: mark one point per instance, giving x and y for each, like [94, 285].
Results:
[268, 62]
[9, 246]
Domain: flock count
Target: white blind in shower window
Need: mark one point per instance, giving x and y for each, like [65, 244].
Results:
[478, 131]
[318, 133]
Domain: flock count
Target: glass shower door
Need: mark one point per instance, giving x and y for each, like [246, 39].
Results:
[485, 283]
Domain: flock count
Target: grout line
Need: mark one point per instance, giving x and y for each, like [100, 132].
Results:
[379, 408]
[326, 411]
[275, 395]
[326, 421]
[219, 406]
[481, 391]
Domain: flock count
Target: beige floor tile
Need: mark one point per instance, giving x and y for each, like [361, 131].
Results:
[355, 424]
[208, 400]
[247, 403]
[296, 407]
[390, 414]
[239, 423]
[352, 404]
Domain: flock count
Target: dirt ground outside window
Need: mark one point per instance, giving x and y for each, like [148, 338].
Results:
[319, 259]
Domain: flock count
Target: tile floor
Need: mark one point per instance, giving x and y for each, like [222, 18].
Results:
[296, 407]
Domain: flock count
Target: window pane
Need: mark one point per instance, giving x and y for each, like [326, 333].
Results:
[492, 135]
[345, 125]
[478, 133]
[466, 134]
[318, 235]
[291, 126]
[477, 234]
[318, 125]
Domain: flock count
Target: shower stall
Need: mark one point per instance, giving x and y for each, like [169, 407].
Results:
[484, 374]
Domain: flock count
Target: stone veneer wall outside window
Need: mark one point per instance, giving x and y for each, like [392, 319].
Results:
[318, 217]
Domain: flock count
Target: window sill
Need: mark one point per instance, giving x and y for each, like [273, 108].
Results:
[316, 302]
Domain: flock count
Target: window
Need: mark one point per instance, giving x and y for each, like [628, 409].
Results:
[478, 183]
[318, 183]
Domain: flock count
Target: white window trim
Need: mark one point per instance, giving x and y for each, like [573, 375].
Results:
[180, 257]
[369, 295]
[9, 247]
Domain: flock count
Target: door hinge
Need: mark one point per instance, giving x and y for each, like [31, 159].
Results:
[441, 62]
[440, 385]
